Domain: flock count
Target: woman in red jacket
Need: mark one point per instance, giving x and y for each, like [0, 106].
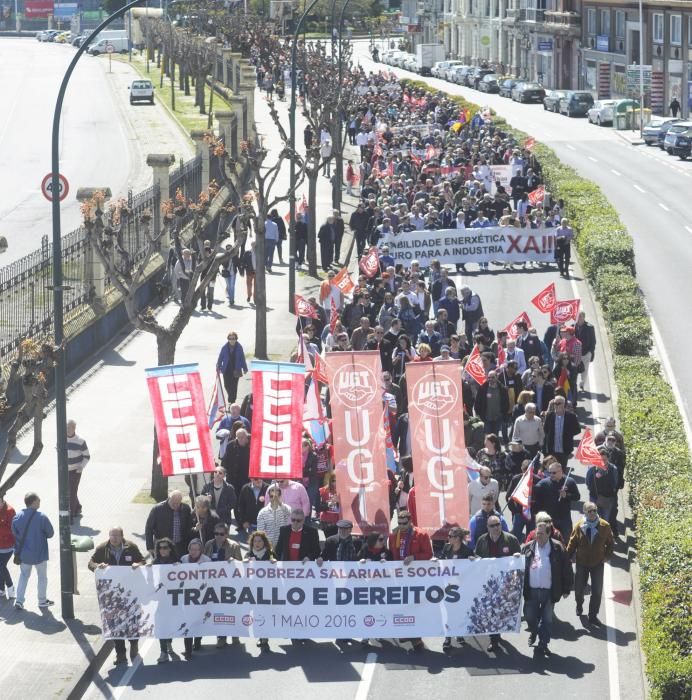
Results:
[6, 548]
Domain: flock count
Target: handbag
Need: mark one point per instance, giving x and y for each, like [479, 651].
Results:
[17, 560]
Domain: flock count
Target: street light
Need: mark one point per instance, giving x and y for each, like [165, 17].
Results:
[292, 185]
[66, 570]
[339, 119]
[641, 71]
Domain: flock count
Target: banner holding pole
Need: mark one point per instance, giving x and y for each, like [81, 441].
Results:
[299, 601]
[355, 390]
[181, 419]
[277, 420]
[436, 422]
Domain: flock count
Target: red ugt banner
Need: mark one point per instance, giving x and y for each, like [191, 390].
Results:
[278, 389]
[436, 421]
[181, 420]
[355, 390]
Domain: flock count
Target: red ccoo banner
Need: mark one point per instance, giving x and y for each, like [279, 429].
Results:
[278, 389]
[355, 390]
[181, 420]
[436, 422]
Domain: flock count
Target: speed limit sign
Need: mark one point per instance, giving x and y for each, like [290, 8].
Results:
[47, 187]
[109, 48]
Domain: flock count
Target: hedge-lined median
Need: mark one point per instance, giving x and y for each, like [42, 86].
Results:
[659, 469]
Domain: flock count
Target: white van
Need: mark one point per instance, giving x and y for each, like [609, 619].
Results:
[119, 45]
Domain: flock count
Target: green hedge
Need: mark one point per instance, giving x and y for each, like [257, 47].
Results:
[659, 469]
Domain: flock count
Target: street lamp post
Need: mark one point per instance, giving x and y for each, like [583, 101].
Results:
[66, 570]
[292, 144]
[641, 71]
[339, 118]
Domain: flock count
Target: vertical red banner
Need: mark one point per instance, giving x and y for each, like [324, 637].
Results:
[181, 421]
[355, 391]
[278, 390]
[436, 422]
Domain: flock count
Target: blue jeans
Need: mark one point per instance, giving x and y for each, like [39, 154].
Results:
[538, 611]
[230, 287]
[269, 250]
[25, 574]
[492, 426]
[5, 578]
[518, 525]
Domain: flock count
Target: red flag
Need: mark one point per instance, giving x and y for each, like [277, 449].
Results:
[342, 280]
[501, 355]
[333, 317]
[407, 98]
[303, 307]
[303, 206]
[523, 493]
[370, 263]
[537, 196]
[287, 217]
[587, 452]
[563, 381]
[377, 150]
[436, 422]
[390, 168]
[530, 143]
[546, 299]
[564, 311]
[511, 328]
[416, 160]
[430, 152]
[319, 374]
[474, 366]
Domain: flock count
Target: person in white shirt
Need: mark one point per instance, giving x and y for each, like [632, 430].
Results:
[406, 292]
[529, 429]
[479, 487]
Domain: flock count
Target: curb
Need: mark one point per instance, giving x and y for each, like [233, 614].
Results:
[82, 684]
[621, 135]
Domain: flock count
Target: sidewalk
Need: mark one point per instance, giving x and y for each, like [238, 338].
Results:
[629, 136]
[42, 657]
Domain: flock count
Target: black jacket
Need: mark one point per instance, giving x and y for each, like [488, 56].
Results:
[236, 462]
[226, 503]
[481, 402]
[160, 524]
[546, 496]
[248, 505]
[331, 549]
[561, 575]
[464, 553]
[309, 544]
[531, 346]
[586, 334]
[570, 429]
[102, 555]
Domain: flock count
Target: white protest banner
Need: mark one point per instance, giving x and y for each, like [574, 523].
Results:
[300, 601]
[501, 174]
[479, 245]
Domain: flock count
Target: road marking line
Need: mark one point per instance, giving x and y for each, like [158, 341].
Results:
[663, 206]
[615, 172]
[593, 159]
[366, 678]
[124, 683]
[637, 187]
[571, 148]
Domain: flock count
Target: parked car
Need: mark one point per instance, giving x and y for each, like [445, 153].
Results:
[389, 56]
[655, 131]
[403, 58]
[506, 86]
[456, 74]
[489, 83]
[409, 63]
[62, 38]
[601, 112]
[678, 135]
[576, 103]
[79, 40]
[47, 34]
[474, 78]
[118, 45]
[141, 91]
[551, 101]
[528, 92]
[439, 70]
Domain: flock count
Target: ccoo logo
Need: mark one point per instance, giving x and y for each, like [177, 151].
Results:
[435, 395]
[355, 385]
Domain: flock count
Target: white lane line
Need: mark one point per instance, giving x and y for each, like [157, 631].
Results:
[124, 683]
[689, 230]
[571, 148]
[615, 172]
[366, 678]
[637, 187]
[595, 160]
[663, 206]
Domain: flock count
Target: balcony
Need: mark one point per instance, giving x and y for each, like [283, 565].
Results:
[534, 14]
[515, 14]
[566, 20]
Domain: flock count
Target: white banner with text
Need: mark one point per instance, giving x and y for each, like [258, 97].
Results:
[294, 600]
[472, 245]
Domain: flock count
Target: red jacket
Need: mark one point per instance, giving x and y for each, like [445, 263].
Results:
[6, 537]
[419, 546]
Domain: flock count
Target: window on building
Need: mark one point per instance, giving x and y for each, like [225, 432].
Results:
[676, 30]
[620, 24]
[590, 21]
[605, 22]
[658, 28]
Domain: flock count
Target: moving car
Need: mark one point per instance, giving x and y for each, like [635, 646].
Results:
[528, 92]
[141, 91]
[601, 112]
[677, 137]
[551, 101]
[506, 86]
[655, 131]
[576, 103]
[489, 83]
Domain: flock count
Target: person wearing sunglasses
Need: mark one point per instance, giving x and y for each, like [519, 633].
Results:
[456, 548]
[493, 544]
[164, 553]
[298, 541]
[374, 548]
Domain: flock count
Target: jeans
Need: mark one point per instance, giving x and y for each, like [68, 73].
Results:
[519, 524]
[580, 579]
[606, 506]
[538, 611]
[230, 288]
[25, 574]
[5, 578]
[492, 426]
[269, 244]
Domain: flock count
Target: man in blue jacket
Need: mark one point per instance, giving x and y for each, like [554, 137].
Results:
[32, 530]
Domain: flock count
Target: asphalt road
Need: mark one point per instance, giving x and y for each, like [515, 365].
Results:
[602, 664]
[645, 185]
[103, 140]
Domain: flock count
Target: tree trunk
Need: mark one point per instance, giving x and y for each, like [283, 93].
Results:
[312, 176]
[260, 291]
[199, 93]
[211, 100]
[172, 84]
[187, 85]
[181, 77]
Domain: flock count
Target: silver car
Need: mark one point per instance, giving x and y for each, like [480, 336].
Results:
[602, 112]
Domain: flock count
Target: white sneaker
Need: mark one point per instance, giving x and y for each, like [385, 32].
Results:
[10, 592]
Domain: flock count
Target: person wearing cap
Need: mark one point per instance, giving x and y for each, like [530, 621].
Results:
[444, 354]
[342, 546]
[602, 483]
